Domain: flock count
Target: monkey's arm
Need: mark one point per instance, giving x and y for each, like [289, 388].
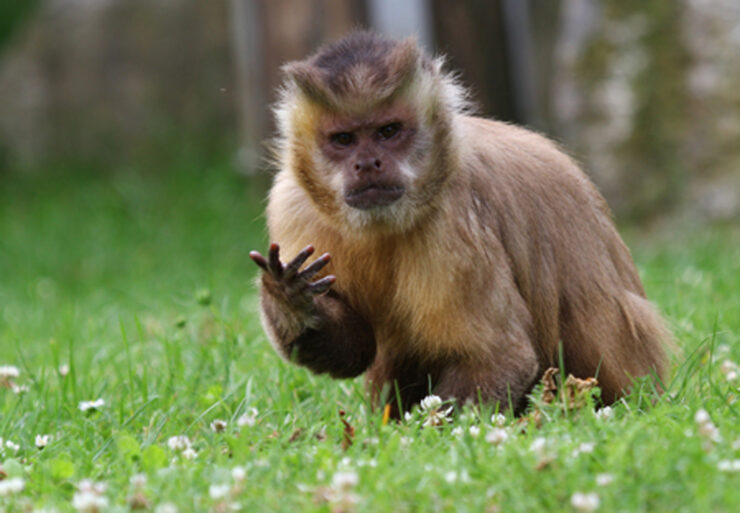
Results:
[307, 322]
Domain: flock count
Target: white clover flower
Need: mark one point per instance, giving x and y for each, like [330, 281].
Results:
[604, 413]
[729, 465]
[407, 416]
[91, 405]
[189, 453]
[89, 497]
[63, 370]
[344, 480]
[497, 436]
[584, 448]
[11, 486]
[431, 406]
[178, 443]
[406, 441]
[249, 418]
[430, 402]
[604, 479]
[340, 492]
[727, 366]
[437, 417]
[218, 491]
[710, 432]
[19, 389]
[450, 476]
[87, 485]
[239, 474]
[138, 480]
[42, 441]
[85, 502]
[457, 431]
[701, 416]
[474, 431]
[8, 372]
[165, 507]
[218, 426]
[12, 446]
[707, 429]
[538, 445]
[498, 420]
[585, 502]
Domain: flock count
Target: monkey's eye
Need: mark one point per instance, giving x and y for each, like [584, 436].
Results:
[342, 138]
[389, 130]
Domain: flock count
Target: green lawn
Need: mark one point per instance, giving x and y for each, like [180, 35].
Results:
[138, 290]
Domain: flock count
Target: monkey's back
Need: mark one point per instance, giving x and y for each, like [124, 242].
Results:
[569, 263]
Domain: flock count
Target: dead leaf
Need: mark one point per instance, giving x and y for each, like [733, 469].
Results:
[549, 386]
[577, 391]
[296, 434]
[348, 434]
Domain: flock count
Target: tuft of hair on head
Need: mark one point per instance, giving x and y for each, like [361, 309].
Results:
[365, 69]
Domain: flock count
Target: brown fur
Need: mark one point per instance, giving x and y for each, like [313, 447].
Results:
[500, 250]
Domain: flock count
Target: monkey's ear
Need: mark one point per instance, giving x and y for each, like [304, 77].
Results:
[308, 79]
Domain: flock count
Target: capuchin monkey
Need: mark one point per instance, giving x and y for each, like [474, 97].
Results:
[460, 254]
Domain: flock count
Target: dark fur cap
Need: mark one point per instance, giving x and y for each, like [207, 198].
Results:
[362, 64]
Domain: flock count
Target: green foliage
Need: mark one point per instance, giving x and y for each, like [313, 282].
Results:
[101, 297]
[654, 153]
[12, 14]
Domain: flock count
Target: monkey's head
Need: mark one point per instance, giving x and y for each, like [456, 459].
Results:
[367, 127]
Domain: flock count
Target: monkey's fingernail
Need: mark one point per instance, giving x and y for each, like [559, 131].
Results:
[325, 256]
[274, 246]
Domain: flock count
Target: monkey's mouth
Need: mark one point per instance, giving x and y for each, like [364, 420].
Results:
[373, 195]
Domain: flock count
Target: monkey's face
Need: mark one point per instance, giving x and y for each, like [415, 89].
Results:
[368, 156]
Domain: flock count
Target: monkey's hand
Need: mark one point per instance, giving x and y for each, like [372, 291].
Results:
[309, 323]
[290, 286]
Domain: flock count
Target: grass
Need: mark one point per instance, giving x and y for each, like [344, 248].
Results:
[142, 287]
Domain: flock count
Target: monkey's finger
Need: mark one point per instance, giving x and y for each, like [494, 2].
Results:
[322, 285]
[276, 267]
[298, 261]
[315, 267]
[258, 259]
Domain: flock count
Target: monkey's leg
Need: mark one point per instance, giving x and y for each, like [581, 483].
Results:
[401, 381]
[615, 343]
[308, 323]
[505, 376]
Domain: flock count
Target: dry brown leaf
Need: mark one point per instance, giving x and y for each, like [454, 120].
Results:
[549, 386]
[577, 391]
[348, 434]
[296, 434]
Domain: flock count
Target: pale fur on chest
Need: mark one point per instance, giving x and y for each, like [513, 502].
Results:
[405, 285]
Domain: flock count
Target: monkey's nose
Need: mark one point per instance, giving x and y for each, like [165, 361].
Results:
[368, 165]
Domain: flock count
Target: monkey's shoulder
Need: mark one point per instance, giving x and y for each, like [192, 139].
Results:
[510, 147]
[522, 165]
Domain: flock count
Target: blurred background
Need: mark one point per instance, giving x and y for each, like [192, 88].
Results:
[133, 169]
[645, 94]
